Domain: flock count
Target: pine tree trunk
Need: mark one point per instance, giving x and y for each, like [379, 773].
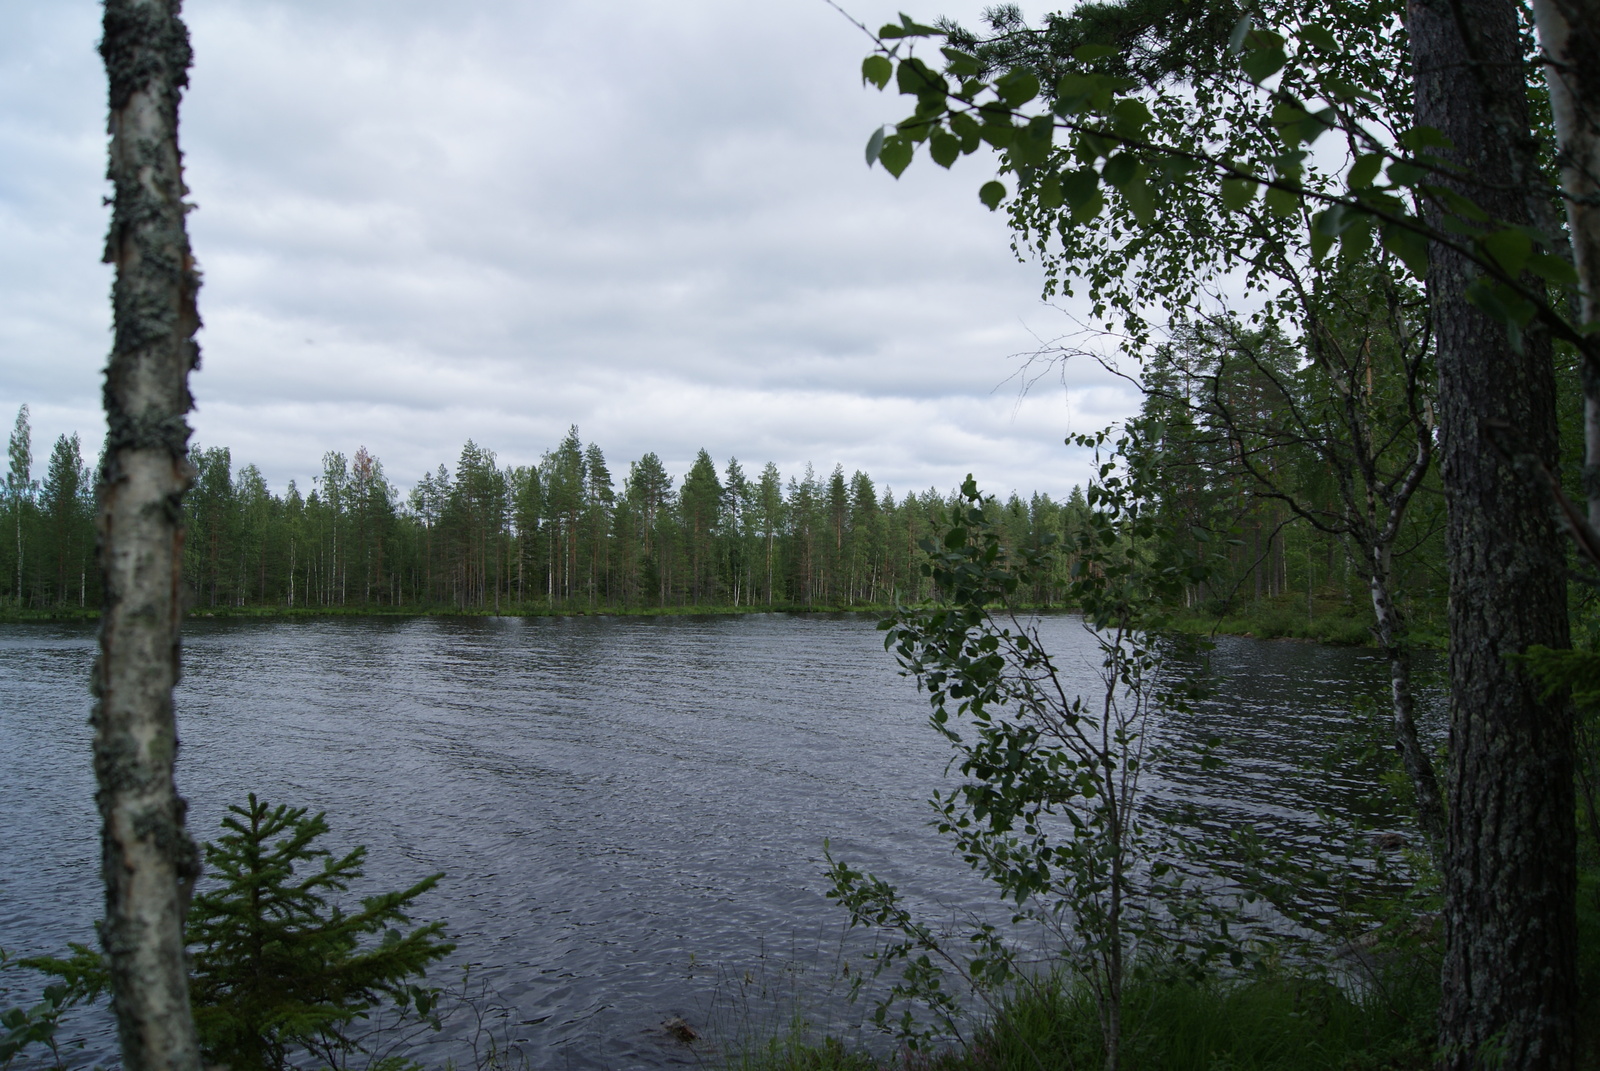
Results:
[148, 861]
[1510, 931]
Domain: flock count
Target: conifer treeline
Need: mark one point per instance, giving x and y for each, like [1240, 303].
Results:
[562, 535]
[47, 547]
[558, 535]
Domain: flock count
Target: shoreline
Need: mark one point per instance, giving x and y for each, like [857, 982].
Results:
[1335, 627]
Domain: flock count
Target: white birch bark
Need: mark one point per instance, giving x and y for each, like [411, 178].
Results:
[149, 864]
[1569, 33]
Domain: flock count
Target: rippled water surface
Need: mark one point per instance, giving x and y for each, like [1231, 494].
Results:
[629, 813]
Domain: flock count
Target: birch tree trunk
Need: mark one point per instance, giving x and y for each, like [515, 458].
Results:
[148, 861]
[1569, 32]
[1510, 928]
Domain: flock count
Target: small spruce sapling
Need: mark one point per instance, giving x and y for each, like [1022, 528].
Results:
[276, 965]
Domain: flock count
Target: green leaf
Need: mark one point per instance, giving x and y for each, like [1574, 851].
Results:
[1405, 173]
[1140, 203]
[1553, 269]
[1090, 53]
[1336, 219]
[1050, 195]
[944, 148]
[875, 144]
[877, 69]
[1000, 135]
[1409, 246]
[1017, 86]
[1364, 170]
[917, 78]
[1074, 90]
[1032, 143]
[1501, 302]
[1464, 207]
[1236, 193]
[1321, 239]
[1262, 63]
[960, 63]
[1356, 239]
[991, 194]
[914, 129]
[907, 28]
[1130, 116]
[895, 155]
[1508, 248]
[1120, 169]
[1419, 138]
[1316, 124]
[1319, 37]
[1281, 202]
[1080, 187]
[1089, 209]
[966, 128]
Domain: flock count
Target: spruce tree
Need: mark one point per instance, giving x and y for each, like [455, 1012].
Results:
[277, 966]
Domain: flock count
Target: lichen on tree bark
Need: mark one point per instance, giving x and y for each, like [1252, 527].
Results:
[149, 863]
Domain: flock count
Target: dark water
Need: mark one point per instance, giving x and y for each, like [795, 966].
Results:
[629, 813]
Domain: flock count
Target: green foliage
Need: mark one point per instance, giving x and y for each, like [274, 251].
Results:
[1266, 1020]
[1161, 115]
[1049, 810]
[556, 536]
[277, 966]
[47, 549]
[1578, 672]
[81, 979]
[1263, 1020]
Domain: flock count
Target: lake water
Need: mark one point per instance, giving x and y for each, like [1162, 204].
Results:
[629, 812]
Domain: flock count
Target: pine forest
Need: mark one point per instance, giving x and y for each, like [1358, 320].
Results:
[565, 535]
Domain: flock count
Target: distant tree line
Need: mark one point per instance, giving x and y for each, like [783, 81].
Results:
[557, 535]
[562, 535]
[48, 541]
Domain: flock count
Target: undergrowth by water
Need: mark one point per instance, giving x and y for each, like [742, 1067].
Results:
[1266, 1022]
[1332, 621]
[1271, 1019]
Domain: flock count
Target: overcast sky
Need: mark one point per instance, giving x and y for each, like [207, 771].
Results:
[424, 222]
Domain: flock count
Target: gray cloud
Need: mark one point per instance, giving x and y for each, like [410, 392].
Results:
[654, 221]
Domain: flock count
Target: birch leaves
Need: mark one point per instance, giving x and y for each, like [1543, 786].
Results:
[1084, 145]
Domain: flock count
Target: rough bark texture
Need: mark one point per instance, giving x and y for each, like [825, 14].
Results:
[1569, 33]
[148, 861]
[1509, 972]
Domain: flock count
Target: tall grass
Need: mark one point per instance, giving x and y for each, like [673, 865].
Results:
[1271, 1020]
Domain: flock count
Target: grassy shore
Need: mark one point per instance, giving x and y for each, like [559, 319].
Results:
[14, 615]
[1329, 621]
[1271, 1021]
[1379, 1017]
[1333, 621]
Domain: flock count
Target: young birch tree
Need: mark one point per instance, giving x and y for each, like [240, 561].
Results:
[1457, 196]
[149, 864]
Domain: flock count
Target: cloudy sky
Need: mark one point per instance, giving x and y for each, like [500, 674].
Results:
[424, 222]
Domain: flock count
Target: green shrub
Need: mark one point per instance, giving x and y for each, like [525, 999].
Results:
[276, 967]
